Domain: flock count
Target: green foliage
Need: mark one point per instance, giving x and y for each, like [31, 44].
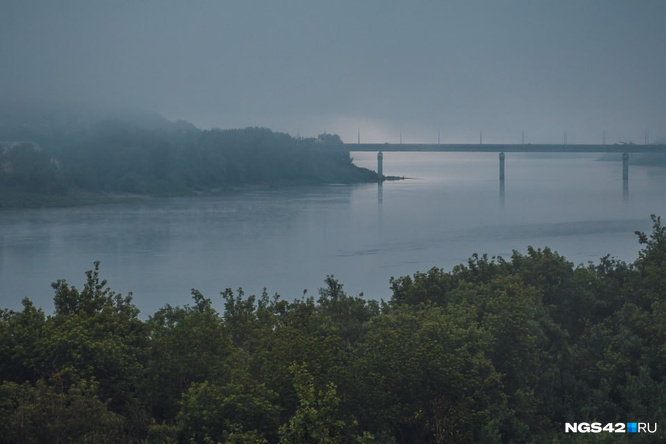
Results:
[27, 167]
[317, 418]
[494, 351]
[95, 298]
[653, 253]
[347, 314]
[20, 336]
[94, 338]
[241, 408]
[95, 333]
[116, 156]
[186, 345]
[43, 413]
[439, 360]
[433, 286]
[329, 139]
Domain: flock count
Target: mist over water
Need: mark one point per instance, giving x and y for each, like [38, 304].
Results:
[289, 239]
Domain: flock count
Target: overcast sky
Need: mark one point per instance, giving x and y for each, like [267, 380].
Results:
[381, 67]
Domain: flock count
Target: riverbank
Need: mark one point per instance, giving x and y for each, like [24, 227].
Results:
[16, 200]
[116, 161]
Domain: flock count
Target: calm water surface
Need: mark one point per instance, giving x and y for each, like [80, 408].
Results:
[288, 240]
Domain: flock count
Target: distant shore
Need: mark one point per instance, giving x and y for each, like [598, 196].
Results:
[16, 200]
[120, 161]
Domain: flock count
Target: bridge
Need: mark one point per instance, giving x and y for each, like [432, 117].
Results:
[498, 148]
[625, 149]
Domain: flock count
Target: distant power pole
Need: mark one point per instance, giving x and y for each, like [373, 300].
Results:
[603, 137]
[438, 142]
[480, 137]
[401, 137]
[565, 137]
[647, 137]
[359, 136]
[523, 137]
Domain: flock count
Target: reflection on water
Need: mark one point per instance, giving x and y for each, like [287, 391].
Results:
[289, 239]
[501, 193]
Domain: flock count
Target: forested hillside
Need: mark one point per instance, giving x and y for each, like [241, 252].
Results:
[497, 350]
[117, 156]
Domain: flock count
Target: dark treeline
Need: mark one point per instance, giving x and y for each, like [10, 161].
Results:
[494, 351]
[122, 157]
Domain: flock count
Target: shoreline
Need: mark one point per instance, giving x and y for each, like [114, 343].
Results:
[21, 200]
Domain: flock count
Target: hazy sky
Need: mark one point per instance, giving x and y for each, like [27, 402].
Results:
[381, 67]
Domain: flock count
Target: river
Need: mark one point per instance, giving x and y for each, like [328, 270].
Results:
[290, 239]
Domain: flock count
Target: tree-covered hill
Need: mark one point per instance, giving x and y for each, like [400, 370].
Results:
[153, 156]
[495, 351]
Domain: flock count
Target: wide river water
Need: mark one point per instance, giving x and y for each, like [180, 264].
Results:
[289, 239]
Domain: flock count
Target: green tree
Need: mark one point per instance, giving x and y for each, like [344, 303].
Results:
[27, 167]
[242, 408]
[44, 413]
[95, 334]
[317, 418]
[20, 336]
[187, 345]
[423, 375]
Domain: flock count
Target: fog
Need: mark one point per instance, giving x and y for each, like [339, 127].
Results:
[378, 68]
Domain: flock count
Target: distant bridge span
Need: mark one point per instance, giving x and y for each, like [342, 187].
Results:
[625, 149]
[497, 148]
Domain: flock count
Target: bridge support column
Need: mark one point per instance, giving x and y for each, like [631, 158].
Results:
[501, 160]
[380, 166]
[625, 166]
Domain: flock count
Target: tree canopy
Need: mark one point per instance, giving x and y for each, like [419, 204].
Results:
[494, 351]
[122, 157]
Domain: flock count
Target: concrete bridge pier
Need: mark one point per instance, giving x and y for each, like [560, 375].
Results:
[380, 166]
[501, 159]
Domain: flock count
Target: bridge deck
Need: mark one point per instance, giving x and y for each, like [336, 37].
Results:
[497, 148]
